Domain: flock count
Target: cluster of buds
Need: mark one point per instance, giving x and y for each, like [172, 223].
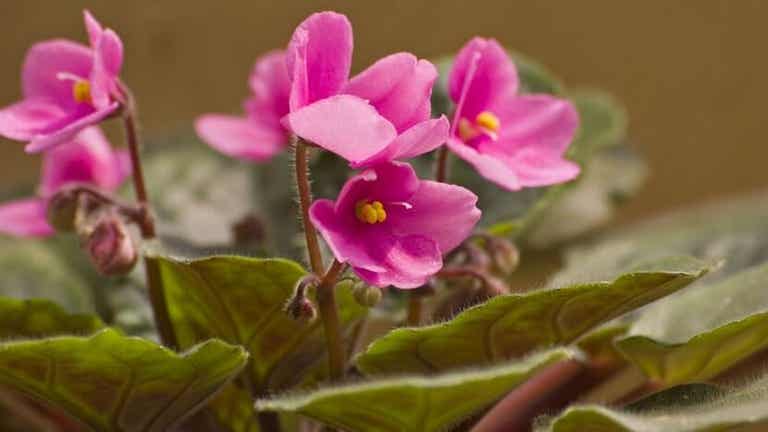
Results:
[100, 222]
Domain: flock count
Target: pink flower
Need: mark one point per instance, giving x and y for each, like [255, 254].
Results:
[66, 87]
[258, 135]
[379, 115]
[512, 140]
[394, 228]
[88, 158]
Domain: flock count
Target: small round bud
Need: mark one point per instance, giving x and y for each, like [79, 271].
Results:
[110, 247]
[301, 309]
[505, 255]
[62, 210]
[365, 295]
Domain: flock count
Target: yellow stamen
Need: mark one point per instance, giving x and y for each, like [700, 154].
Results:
[81, 91]
[466, 130]
[370, 213]
[488, 120]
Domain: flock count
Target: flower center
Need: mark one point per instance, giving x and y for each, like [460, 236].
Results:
[370, 212]
[81, 91]
[486, 123]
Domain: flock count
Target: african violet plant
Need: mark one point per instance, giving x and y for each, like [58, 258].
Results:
[411, 315]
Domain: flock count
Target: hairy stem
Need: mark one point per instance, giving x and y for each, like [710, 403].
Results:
[329, 314]
[147, 226]
[441, 164]
[305, 199]
[415, 305]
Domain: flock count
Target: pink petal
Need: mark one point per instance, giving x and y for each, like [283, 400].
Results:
[45, 62]
[24, 218]
[270, 86]
[89, 159]
[442, 212]
[540, 122]
[241, 138]
[319, 57]
[490, 167]
[391, 182]
[344, 235]
[494, 77]
[92, 27]
[399, 86]
[536, 168]
[345, 125]
[46, 141]
[23, 120]
[410, 262]
[419, 139]
[107, 62]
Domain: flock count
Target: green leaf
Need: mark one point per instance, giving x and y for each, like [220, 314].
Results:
[702, 332]
[115, 383]
[417, 404]
[39, 318]
[240, 300]
[740, 409]
[513, 325]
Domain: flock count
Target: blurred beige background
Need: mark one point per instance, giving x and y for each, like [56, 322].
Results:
[693, 74]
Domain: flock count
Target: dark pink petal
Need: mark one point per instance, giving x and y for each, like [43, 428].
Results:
[107, 62]
[536, 168]
[68, 131]
[419, 139]
[93, 28]
[538, 122]
[410, 262]
[46, 61]
[240, 137]
[89, 159]
[399, 86]
[490, 167]
[442, 212]
[24, 218]
[270, 87]
[391, 182]
[23, 120]
[494, 76]
[344, 235]
[319, 57]
[345, 125]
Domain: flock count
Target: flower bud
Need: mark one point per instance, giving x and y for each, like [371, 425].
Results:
[299, 307]
[365, 295]
[110, 247]
[505, 255]
[62, 210]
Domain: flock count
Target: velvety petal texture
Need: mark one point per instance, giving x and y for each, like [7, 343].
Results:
[87, 159]
[419, 221]
[259, 135]
[515, 141]
[66, 88]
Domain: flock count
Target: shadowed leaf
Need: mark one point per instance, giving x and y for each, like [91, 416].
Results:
[39, 318]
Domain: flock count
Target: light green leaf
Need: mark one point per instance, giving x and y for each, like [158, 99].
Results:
[110, 382]
[740, 409]
[39, 318]
[413, 404]
[240, 300]
[512, 325]
[702, 332]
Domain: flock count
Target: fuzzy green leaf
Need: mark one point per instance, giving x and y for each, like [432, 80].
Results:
[512, 325]
[116, 383]
[700, 333]
[739, 409]
[240, 300]
[39, 318]
[413, 404]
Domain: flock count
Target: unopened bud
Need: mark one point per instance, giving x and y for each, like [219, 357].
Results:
[299, 307]
[505, 255]
[248, 230]
[366, 295]
[110, 247]
[62, 210]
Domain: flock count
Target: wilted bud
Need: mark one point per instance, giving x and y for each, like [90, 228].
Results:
[62, 210]
[505, 255]
[299, 307]
[110, 247]
[365, 295]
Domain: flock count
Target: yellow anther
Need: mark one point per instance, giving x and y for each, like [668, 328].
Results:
[370, 213]
[466, 130]
[488, 120]
[81, 91]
